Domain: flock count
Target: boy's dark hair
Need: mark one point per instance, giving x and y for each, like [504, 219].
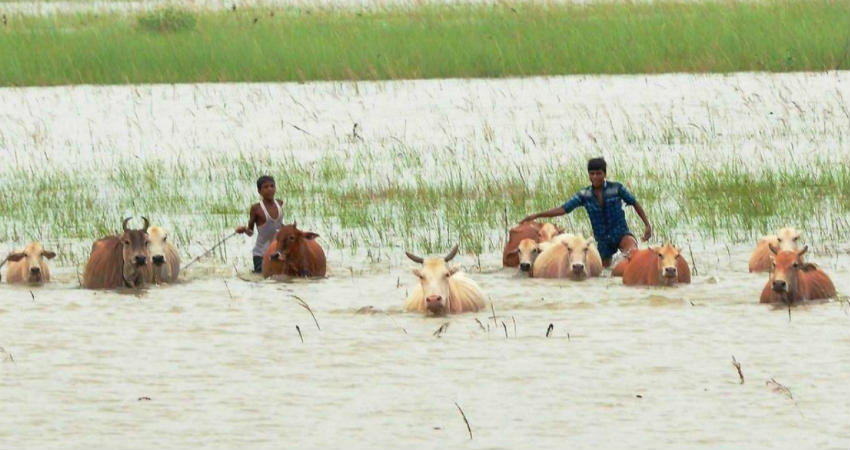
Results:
[596, 164]
[263, 179]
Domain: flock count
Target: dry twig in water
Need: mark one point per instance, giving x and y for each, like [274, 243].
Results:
[480, 324]
[298, 329]
[737, 365]
[468, 428]
[442, 329]
[506, 329]
[307, 307]
[549, 329]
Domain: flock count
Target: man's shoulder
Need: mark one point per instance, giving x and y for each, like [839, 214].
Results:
[585, 192]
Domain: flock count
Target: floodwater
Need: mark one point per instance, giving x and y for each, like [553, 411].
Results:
[217, 360]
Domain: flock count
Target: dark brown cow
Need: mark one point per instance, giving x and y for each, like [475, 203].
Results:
[120, 260]
[656, 266]
[294, 253]
[525, 230]
[793, 280]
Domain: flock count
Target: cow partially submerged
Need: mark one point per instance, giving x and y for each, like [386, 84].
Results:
[535, 231]
[569, 256]
[660, 266]
[294, 253]
[28, 264]
[792, 280]
[785, 239]
[120, 260]
[165, 261]
[442, 289]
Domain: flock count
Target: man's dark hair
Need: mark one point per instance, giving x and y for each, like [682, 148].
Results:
[596, 164]
[263, 179]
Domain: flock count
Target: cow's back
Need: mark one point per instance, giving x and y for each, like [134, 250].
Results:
[104, 267]
[315, 264]
[551, 263]
[528, 230]
[465, 294]
[814, 284]
[760, 258]
[642, 268]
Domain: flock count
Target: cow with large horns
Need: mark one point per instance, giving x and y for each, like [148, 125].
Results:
[119, 260]
[442, 289]
[792, 280]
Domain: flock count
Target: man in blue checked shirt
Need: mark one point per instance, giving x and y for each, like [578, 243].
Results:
[603, 201]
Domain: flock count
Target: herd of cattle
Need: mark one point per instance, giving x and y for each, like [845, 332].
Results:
[541, 250]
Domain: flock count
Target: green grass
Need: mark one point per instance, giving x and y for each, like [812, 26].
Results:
[426, 211]
[426, 42]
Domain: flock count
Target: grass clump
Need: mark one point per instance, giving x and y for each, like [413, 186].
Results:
[166, 20]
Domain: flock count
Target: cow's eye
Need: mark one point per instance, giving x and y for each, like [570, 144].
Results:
[660, 255]
[795, 265]
[585, 249]
[779, 240]
[164, 238]
[796, 237]
[569, 249]
[126, 242]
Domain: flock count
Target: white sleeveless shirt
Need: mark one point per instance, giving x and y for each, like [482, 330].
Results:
[266, 232]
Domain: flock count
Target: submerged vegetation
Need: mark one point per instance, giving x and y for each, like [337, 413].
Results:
[424, 41]
[354, 200]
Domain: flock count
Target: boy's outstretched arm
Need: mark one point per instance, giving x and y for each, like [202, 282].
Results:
[249, 229]
[647, 231]
[554, 212]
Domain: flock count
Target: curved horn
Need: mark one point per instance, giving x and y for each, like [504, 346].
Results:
[803, 250]
[451, 254]
[124, 223]
[414, 258]
[147, 223]
[773, 248]
[294, 224]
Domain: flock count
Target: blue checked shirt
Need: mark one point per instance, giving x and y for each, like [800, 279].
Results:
[609, 221]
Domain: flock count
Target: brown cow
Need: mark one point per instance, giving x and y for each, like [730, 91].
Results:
[118, 261]
[294, 253]
[28, 265]
[793, 280]
[784, 239]
[442, 289]
[657, 266]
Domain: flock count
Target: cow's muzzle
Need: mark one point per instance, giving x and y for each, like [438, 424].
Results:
[276, 256]
[525, 267]
[670, 272]
[158, 260]
[140, 260]
[780, 286]
[578, 268]
[435, 305]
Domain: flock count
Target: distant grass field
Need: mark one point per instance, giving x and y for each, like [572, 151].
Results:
[427, 41]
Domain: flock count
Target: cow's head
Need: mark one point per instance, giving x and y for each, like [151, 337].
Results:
[157, 237]
[33, 256]
[787, 239]
[785, 268]
[667, 256]
[527, 250]
[135, 245]
[288, 238]
[577, 249]
[434, 278]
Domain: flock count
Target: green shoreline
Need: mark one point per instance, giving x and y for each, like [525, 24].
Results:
[430, 41]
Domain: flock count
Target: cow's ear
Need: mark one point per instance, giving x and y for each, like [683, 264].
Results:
[15, 257]
[514, 251]
[454, 270]
[773, 248]
[48, 254]
[418, 273]
[806, 267]
[591, 241]
[309, 235]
